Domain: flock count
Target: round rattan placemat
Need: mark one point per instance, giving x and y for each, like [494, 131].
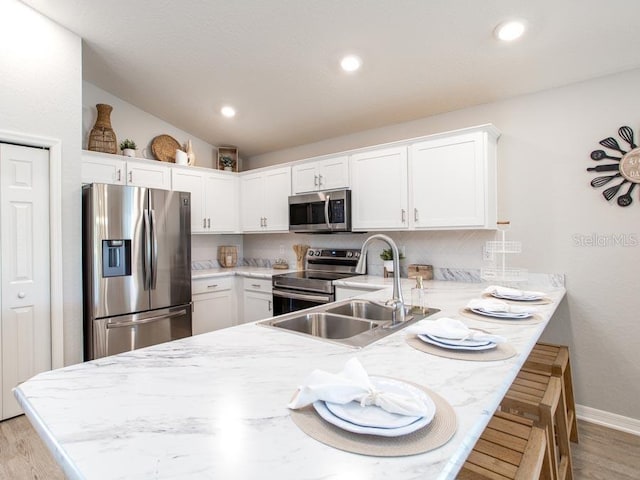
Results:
[535, 318]
[430, 437]
[542, 301]
[164, 148]
[501, 352]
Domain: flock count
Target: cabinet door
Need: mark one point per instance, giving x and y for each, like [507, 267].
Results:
[222, 203]
[333, 173]
[103, 170]
[379, 189]
[447, 182]
[252, 196]
[257, 306]
[148, 175]
[304, 178]
[212, 311]
[192, 181]
[276, 201]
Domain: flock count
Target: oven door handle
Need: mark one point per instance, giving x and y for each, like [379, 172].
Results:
[301, 296]
[326, 211]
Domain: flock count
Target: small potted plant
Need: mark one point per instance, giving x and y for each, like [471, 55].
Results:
[128, 148]
[387, 257]
[227, 162]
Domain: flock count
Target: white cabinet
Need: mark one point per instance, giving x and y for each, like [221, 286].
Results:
[214, 304]
[379, 189]
[328, 174]
[452, 182]
[265, 200]
[258, 302]
[214, 199]
[113, 169]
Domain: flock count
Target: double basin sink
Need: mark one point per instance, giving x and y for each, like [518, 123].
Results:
[355, 323]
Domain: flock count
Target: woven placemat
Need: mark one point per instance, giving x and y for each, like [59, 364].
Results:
[541, 301]
[501, 352]
[535, 318]
[430, 437]
[164, 148]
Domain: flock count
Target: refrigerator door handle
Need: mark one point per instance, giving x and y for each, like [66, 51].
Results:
[154, 250]
[147, 250]
[145, 320]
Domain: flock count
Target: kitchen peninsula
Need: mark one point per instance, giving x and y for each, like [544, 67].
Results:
[215, 405]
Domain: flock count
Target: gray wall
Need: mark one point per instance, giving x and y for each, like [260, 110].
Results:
[544, 191]
[40, 95]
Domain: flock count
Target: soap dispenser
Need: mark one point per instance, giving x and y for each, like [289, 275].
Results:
[419, 297]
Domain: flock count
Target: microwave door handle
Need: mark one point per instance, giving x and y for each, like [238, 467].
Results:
[154, 251]
[326, 211]
[147, 250]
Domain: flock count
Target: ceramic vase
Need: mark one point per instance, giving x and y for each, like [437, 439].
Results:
[191, 156]
[102, 138]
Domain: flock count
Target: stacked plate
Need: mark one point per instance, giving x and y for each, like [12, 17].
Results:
[514, 294]
[463, 344]
[505, 315]
[373, 420]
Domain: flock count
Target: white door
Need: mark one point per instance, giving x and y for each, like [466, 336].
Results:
[257, 306]
[25, 290]
[276, 202]
[222, 202]
[252, 208]
[304, 178]
[334, 173]
[191, 181]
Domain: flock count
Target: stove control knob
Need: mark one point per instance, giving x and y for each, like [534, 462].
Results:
[311, 253]
[357, 254]
[349, 254]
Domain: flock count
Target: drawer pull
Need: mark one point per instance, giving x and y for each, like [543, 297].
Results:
[212, 286]
[255, 285]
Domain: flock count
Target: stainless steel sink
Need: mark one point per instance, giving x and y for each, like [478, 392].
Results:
[354, 323]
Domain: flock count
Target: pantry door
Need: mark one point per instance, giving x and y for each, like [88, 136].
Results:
[25, 299]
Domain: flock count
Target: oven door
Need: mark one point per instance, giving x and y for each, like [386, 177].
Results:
[287, 301]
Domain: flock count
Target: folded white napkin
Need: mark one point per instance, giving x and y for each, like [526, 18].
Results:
[452, 329]
[353, 384]
[498, 306]
[512, 292]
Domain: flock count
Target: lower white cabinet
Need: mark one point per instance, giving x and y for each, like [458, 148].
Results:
[214, 304]
[258, 302]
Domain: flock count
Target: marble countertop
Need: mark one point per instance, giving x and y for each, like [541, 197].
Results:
[254, 272]
[214, 405]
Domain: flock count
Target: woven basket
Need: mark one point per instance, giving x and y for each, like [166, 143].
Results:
[227, 256]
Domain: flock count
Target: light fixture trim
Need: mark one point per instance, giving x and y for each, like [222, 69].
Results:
[510, 30]
[351, 63]
[228, 111]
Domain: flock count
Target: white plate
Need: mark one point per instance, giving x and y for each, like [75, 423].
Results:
[458, 343]
[521, 298]
[509, 315]
[432, 341]
[326, 414]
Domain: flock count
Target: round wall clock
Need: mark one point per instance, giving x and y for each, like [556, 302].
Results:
[626, 167]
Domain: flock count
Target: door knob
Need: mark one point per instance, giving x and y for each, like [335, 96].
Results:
[22, 295]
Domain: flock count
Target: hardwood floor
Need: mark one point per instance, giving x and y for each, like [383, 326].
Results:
[602, 454]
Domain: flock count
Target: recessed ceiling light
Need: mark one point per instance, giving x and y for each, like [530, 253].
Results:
[350, 63]
[228, 111]
[509, 31]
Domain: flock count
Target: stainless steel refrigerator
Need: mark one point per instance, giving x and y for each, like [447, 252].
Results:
[136, 267]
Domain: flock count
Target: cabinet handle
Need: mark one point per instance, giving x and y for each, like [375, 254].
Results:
[320, 180]
[22, 295]
[130, 177]
[415, 214]
[208, 222]
[315, 180]
[269, 306]
[204, 223]
[404, 215]
[212, 286]
[255, 285]
[265, 221]
[119, 175]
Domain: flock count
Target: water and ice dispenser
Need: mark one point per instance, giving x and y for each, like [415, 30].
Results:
[116, 258]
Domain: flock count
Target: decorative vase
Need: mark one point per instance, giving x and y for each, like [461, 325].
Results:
[129, 152]
[191, 156]
[102, 138]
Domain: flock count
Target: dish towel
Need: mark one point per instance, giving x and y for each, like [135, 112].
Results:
[498, 306]
[512, 292]
[353, 384]
[452, 329]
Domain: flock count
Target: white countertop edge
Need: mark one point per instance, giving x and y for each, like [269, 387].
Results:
[39, 425]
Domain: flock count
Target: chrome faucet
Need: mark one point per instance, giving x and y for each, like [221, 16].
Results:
[397, 302]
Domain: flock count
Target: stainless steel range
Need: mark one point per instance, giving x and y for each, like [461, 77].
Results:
[314, 285]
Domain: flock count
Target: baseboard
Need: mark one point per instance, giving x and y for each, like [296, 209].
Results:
[607, 419]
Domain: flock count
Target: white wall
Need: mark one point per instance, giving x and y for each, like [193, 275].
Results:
[544, 191]
[128, 121]
[40, 95]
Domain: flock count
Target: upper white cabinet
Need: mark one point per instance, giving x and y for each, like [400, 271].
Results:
[265, 200]
[214, 199]
[106, 168]
[452, 182]
[327, 174]
[379, 189]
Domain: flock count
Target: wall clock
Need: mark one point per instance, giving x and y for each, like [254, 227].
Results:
[625, 167]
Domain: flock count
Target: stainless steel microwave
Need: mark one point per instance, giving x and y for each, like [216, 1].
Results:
[320, 212]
